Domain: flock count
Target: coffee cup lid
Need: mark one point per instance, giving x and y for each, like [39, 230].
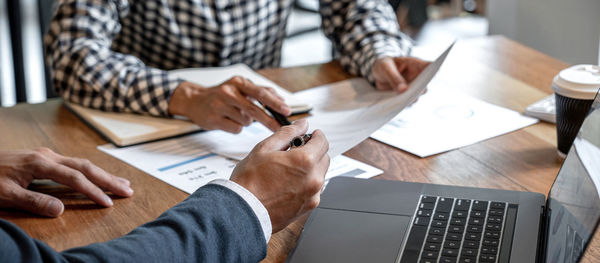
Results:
[578, 82]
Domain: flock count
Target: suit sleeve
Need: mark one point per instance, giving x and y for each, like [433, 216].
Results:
[86, 71]
[361, 31]
[212, 225]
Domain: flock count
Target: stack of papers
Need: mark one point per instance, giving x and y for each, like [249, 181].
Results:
[347, 112]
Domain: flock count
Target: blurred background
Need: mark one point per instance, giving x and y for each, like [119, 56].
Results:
[566, 30]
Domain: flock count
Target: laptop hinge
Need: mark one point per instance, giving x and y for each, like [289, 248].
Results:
[543, 234]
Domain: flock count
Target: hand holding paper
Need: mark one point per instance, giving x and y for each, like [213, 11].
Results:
[395, 73]
[347, 112]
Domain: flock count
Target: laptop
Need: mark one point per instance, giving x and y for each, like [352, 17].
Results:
[362, 220]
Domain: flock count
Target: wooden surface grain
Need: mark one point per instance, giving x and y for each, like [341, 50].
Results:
[493, 69]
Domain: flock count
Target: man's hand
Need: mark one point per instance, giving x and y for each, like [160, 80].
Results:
[19, 168]
[288, 183]
[228, 106]
[396, 73]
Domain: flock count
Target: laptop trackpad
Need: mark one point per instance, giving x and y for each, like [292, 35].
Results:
[347, 236]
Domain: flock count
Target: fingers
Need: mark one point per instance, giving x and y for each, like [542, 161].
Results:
[35, 202]
[236, 115]
[241, 110]
[258, 114]
[316, 184]
[311, 204]
[79, 174]
[114, 184]
[280, 140]
[74, 179]
[317, 146]
[266, 96]
[272, 90]
[323, 165]
[236, 101]
[396, 73]
[230, 126]
[410, 67]
[390, 77]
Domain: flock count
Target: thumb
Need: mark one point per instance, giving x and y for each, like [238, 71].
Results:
[37, 203]
[280, 140]
[390, 76]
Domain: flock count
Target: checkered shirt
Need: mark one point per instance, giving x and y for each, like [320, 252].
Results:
[114, 55]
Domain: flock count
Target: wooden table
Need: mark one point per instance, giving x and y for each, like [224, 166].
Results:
[493, 69]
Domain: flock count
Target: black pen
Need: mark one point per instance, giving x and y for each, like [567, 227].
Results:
[282, 120]
[300, 140]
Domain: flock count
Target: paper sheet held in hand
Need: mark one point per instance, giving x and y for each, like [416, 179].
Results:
[347, 112]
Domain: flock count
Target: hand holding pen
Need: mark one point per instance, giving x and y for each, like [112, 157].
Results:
[283, 121]
[229, 106]
[288, 183]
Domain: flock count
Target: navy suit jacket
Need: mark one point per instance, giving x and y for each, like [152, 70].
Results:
[212, 225]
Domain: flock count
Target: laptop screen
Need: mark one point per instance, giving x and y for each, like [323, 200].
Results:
[574, 200]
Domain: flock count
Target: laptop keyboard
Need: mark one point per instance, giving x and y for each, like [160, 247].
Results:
[450, 230]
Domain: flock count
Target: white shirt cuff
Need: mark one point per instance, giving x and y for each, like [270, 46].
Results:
[259, 210]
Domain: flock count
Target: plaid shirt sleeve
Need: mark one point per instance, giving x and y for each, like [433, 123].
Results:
[361, 32]
[86, 71]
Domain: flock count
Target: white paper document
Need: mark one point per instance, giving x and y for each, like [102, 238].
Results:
[441, 121]
[235, 146]
[210, 77]
[185, 164]
[348, 167]
[348, 112]
[181, 162]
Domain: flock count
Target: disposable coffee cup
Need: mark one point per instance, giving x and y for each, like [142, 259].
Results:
[575, 89]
